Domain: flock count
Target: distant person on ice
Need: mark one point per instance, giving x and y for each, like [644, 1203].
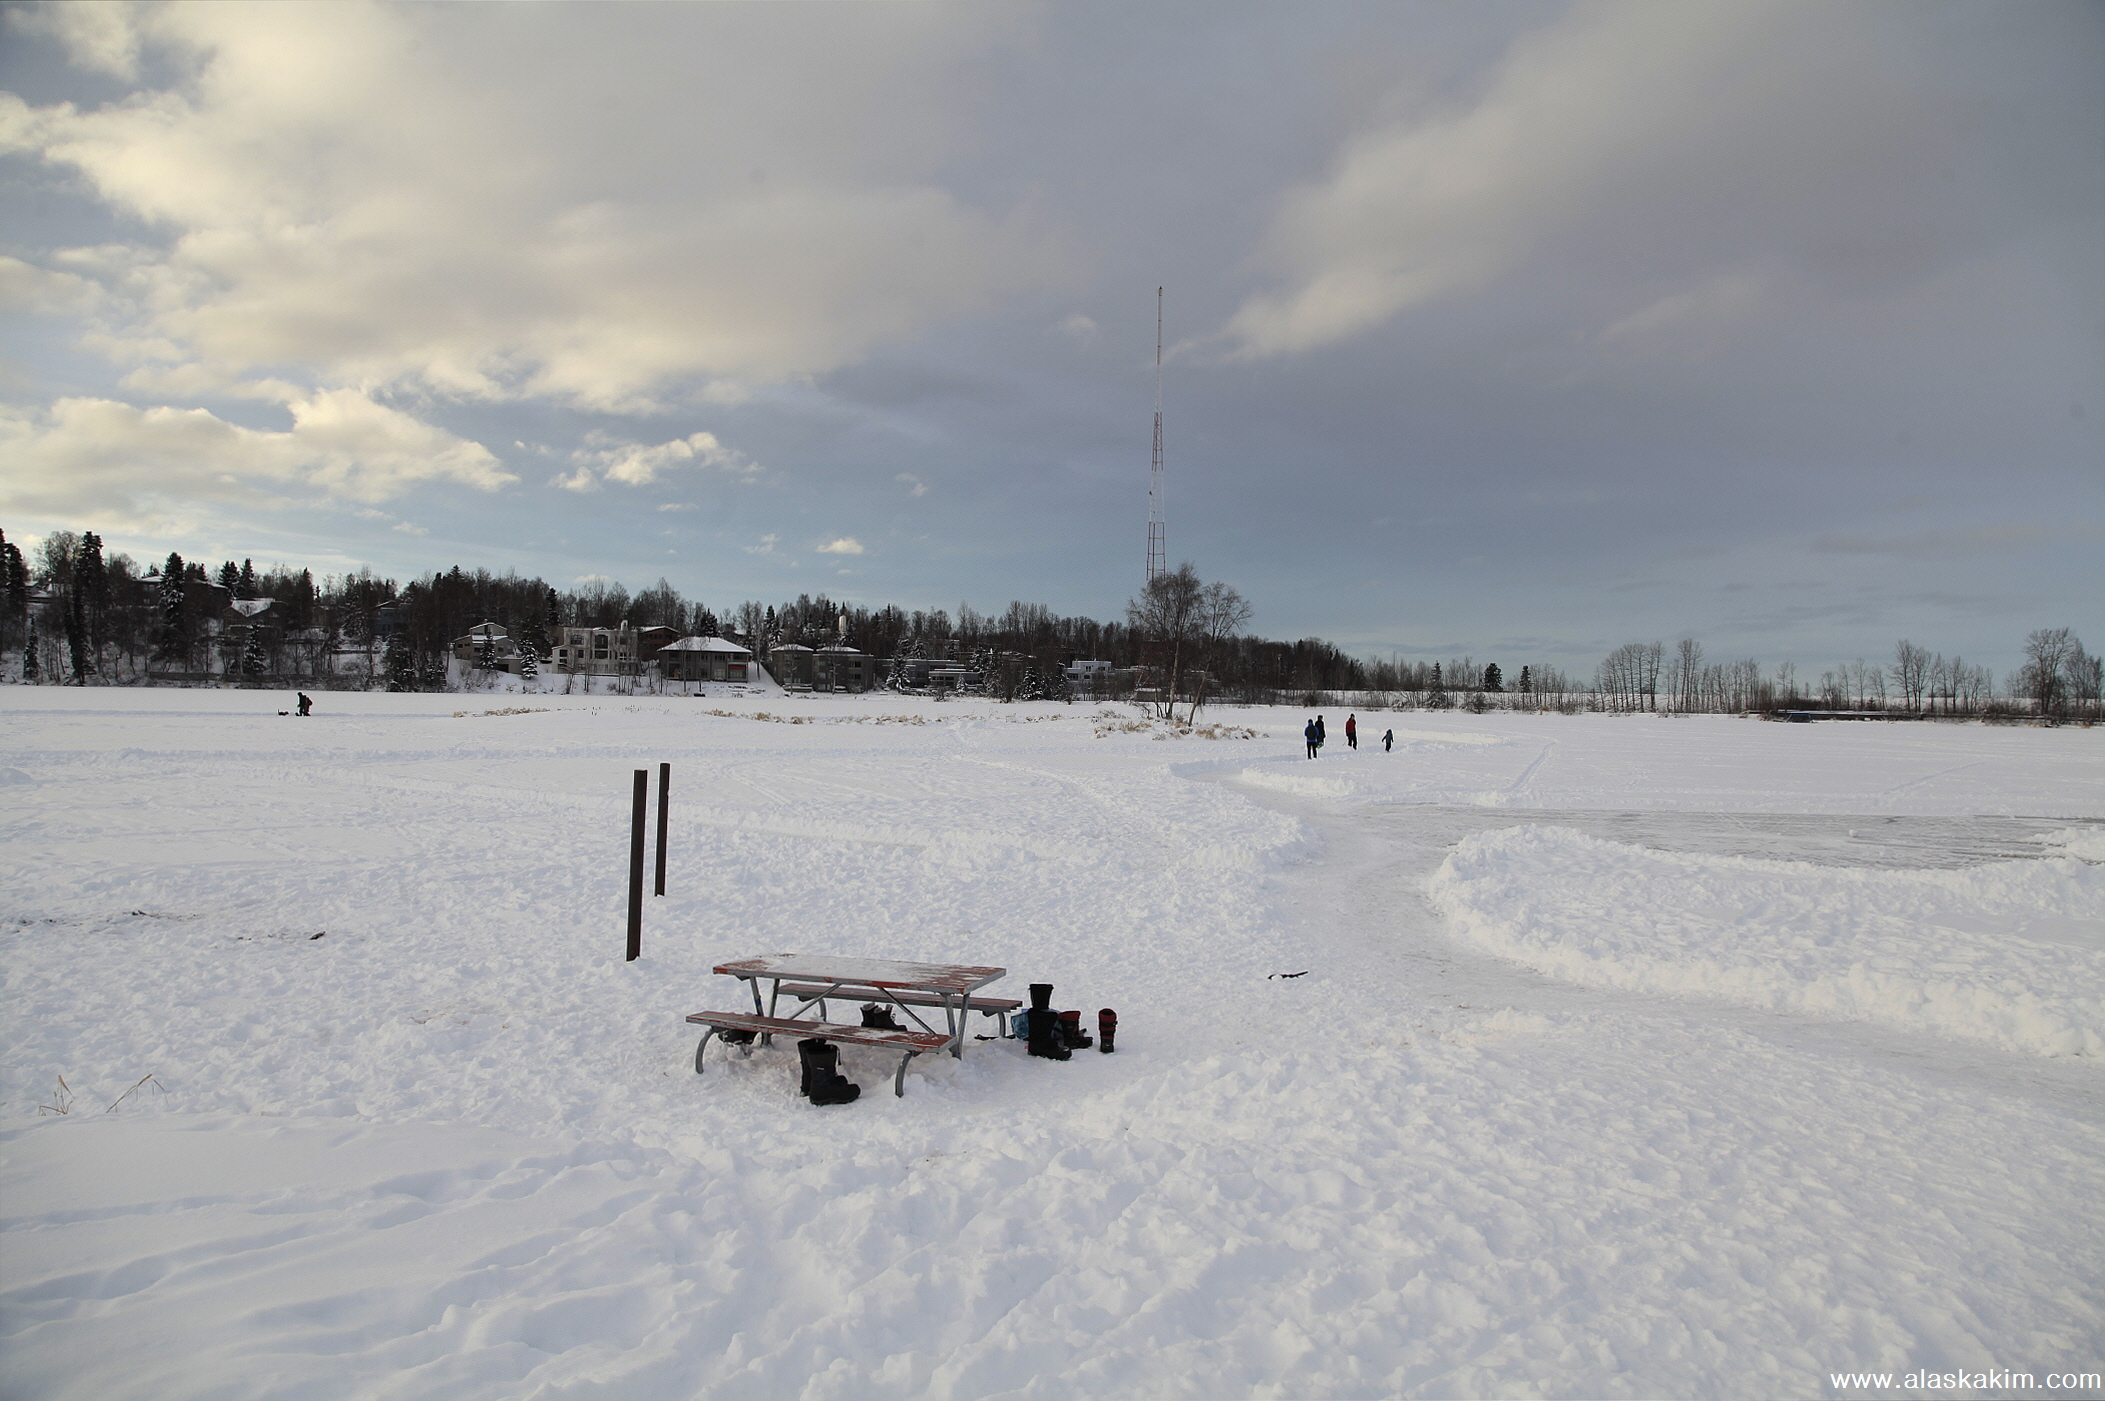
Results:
[1308, 732]
[1352, 731]
[1320, 736]
[1388, 740]
[305, 704]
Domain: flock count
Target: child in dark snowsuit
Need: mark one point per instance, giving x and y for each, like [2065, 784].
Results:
[1388, 740]
[1308, 732]
[1320, 736]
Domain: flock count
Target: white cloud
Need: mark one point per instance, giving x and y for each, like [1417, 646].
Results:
[124, 464]
[635, 464]
[502, 206]
[914, 485]
[25, 287]
[765, 547]
[842, 545]
[101, 38]
[1081, 327]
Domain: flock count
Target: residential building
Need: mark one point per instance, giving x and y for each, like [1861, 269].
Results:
[704, 659]
[596, 651]
[839, 667]
[490, 638]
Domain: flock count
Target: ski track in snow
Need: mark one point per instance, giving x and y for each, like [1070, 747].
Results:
[1571, 1100]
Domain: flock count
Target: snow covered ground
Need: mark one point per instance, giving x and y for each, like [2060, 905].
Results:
[1700, 1057]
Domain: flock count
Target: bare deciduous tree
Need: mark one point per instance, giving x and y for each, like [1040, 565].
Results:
[2044, 680]
[1178, 611]
[1911, 672]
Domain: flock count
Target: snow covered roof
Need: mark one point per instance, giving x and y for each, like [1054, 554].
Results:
[250, 607]
[792, 647]
[705, 644]
[841, 647]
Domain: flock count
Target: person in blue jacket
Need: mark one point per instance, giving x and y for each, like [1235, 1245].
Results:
[1308, 732]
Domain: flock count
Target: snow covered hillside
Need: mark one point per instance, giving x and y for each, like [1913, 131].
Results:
[1625, 1056]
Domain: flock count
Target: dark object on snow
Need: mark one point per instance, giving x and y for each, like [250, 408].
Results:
[879, 1016]
[736, 1037]
[1302, 974]
[306, 705]
[823, 1081]
[1071, 1032]
[1106, 1028]
[1045, 1025]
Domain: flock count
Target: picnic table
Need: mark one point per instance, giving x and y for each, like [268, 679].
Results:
[813, 980]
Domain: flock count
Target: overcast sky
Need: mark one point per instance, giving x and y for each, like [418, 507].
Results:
[1517, 329]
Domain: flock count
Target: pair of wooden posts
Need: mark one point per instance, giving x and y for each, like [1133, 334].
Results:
[636, 851]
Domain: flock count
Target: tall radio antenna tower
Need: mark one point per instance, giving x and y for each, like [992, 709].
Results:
[1158, 528]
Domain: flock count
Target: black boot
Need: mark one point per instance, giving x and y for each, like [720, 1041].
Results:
[828, 1085]
[1106, 1028]
[1071, 1032]
[878, 1016]
[1045, 1025]
[807, 1060]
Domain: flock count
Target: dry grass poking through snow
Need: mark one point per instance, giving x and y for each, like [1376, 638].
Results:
[1111, 723]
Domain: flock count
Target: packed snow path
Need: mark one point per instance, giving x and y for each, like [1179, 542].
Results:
[414, 1130]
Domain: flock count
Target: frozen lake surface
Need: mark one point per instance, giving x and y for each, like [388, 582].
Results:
[1700, 1057]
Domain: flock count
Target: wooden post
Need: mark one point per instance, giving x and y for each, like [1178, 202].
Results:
[643, 778]
[664, 788]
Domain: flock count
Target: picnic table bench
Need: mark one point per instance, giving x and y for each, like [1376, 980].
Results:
[820, 992]
[911, 1043]
[950, 987]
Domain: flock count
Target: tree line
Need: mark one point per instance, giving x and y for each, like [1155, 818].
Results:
[76, 613]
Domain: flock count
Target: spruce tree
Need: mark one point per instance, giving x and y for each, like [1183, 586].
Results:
[529, 658]
[91, 582]
[29, 657]
[245, 581]
[1033, 686]
[1494, 679]
[175, 630]
[14, 590]
[988, 665]
[399, 666]
[1527, 682]
[253, 660]
[230, 578]
[77, 638]
[431, 674]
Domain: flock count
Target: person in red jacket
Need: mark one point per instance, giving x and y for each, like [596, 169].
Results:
[1352, 732]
